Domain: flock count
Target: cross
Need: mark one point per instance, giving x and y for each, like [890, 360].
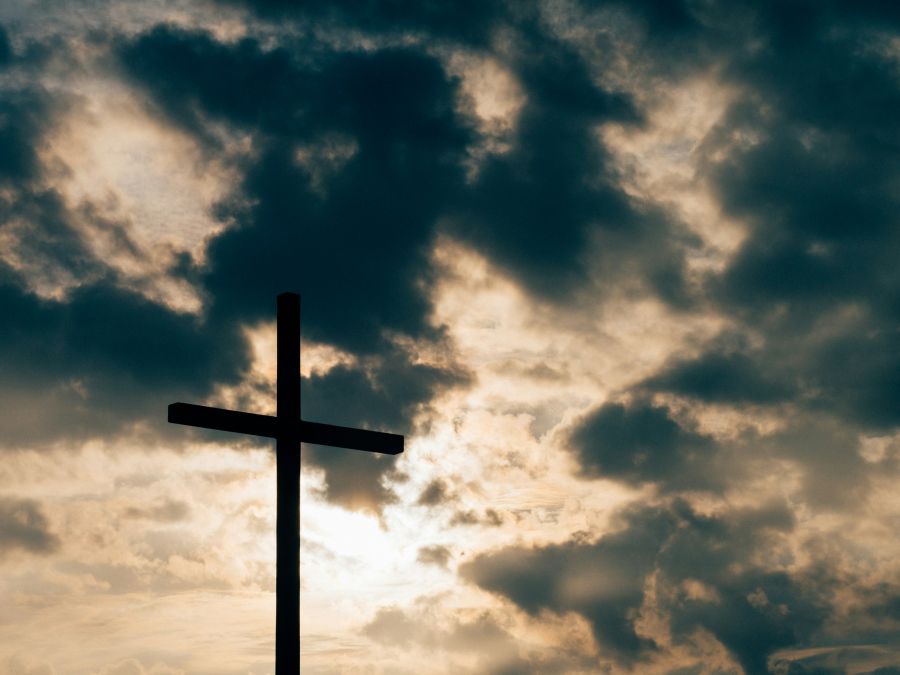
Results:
[288, 430]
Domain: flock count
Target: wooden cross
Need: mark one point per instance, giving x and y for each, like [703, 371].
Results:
[288, 430]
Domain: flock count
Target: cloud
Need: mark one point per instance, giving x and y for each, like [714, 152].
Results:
[604, 582]
[812, 181]
[25, 112]
[86, 354]
[388, 395]
[714, 377]
[24, 527]
[491, 518]
[16, 665]
[751, 608]
[6, 52]
[412, 138]
[639, 443]
[396, 625]
[476, 641]
[532, 209]
[434, 555]
[324, 115]
[836, 660]
[470, 21]
[102, 359]
[168, 511]
[437, 492]
[810, 299]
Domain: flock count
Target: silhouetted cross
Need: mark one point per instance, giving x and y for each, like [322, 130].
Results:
[289, 430]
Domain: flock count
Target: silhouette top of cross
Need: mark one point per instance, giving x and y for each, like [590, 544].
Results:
[289, 430]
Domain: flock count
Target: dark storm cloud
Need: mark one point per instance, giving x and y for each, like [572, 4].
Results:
[469, 21]
[536, 210]
[102, 359]
[749, 605]
[857, 374]
[388, 390]
[6, 52]
[640, 443]
[363, 244]
[722, 377]
[816, 185]
[23, 526]
[550, 210]
[25, 113]
[759, 607]
[196, 79]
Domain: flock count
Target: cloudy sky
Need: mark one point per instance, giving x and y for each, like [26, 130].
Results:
[624, 273]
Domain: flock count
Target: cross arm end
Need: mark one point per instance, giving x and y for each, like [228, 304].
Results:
[219, 419]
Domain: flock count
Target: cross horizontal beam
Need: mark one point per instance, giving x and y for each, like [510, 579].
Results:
[265, 425]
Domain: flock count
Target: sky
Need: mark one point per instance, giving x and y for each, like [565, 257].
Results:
[625, 274]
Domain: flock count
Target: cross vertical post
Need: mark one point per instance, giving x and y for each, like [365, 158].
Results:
[287, 567]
